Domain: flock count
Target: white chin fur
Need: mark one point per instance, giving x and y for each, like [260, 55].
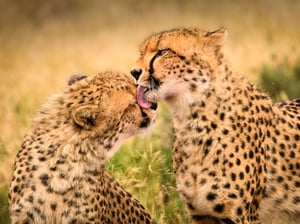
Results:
[152, 96]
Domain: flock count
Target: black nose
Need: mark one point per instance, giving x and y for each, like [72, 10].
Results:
[136, 73]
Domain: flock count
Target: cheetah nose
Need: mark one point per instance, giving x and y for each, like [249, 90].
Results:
[136, 73]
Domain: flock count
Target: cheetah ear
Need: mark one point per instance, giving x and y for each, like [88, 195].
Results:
[76, 78]
[216, 39]
[84, 116]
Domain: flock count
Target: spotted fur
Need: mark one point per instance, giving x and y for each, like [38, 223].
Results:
[236, 156]
[59, 172]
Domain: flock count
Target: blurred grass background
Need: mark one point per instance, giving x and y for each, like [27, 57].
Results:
[42, 43]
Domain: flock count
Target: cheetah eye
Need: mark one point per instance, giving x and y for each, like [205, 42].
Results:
[162, 52]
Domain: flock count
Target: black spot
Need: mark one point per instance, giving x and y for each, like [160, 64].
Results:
[279, 179]
[73, 221]
[30, 198]
[241, 192]
[282, 154]
[53, 206]
[44, 179]
[16, 189]
[219, 208]
[215, 187]
[282, 146]
[227, 185]
[204, 118]
[42, 159]
[195, 115]
[296, 200]
[208, 142]
[292, 154]
[225, 131]
[247, 169]
[212, 173]
[213, 125]
[194, 175]
[199, 129]
[203, 181]
[216, 161]
[53, 168]
[145, 122]
[211, 196]
[222, 116]
[251, 154]
[33, 188]
[193, 86]
[77, 194]
[239, 211]
[34, 168]
[232, 195]
[30, 215]
[201, 104]
[233, 176]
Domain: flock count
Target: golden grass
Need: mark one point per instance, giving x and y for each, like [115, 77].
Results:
[42, 44]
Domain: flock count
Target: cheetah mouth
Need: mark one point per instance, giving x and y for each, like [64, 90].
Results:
[142, 101]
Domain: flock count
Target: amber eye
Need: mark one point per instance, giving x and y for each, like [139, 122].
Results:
[162, 52]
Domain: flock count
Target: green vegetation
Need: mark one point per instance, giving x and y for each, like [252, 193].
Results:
[281, 79]
[4, 217]
[144, 167]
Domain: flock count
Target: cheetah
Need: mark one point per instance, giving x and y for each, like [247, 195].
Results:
[236, 156]
[59, 173]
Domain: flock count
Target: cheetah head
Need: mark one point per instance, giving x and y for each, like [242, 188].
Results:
[173, 62]
[96, 112]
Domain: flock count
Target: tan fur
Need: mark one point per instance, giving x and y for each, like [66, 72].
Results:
[236, 156]
[59, 173]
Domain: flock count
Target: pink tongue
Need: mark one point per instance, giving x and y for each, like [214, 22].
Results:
[141, 99]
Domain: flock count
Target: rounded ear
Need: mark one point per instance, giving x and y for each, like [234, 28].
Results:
[217, 38]
[76, 78]
[84, 116]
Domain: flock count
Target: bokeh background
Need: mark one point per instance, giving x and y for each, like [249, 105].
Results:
[43, 43]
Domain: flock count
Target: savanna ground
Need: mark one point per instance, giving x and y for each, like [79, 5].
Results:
[42, 43]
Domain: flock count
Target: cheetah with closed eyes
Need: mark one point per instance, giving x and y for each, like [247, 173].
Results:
[236, 156]
[59, 173]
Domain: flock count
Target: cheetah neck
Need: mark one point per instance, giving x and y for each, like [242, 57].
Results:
[218, 92]
[216, 110]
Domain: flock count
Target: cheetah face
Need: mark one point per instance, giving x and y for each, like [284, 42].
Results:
[108, 107]
[170, 62]
[99, 109]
